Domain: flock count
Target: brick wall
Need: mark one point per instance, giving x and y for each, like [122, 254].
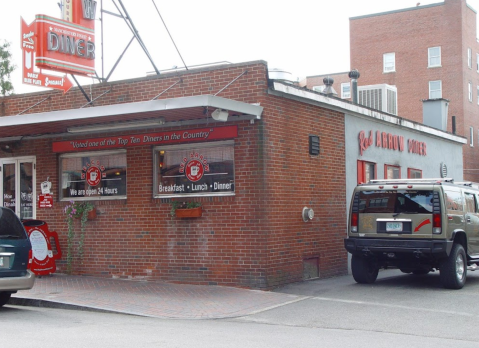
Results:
[255, 239]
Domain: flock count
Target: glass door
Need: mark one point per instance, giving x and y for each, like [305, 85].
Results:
[18, 186]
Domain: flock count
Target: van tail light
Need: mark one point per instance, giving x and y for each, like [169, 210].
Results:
[354, 222]
[30, 259]
[436, 224]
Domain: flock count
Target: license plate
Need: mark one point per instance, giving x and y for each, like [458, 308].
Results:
[393, 226]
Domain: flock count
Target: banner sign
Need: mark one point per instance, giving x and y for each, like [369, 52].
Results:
[66, 46]
[171, 137]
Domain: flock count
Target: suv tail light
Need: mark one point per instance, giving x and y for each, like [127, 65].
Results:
[355, 213]
[436, 224]
[354, 222]
[30, 259]
[436, 214]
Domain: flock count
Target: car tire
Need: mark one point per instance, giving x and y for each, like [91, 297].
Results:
[4, 297]
[364, 271]
[453, 270]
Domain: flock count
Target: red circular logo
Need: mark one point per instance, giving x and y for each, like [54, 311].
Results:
[194, 170]
[93, 176]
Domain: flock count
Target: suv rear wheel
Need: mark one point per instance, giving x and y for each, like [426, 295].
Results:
[453, 270]
[4, 297]
[364, 270]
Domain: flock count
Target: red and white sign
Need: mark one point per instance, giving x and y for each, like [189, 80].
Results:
[43, 257]
[172, 137]
[66, 46]
[45, 201]
[32, 76]
[93, 176]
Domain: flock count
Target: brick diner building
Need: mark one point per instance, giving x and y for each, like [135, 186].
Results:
[259, 155]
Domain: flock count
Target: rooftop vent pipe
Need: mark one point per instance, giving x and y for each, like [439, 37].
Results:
[329, 90]
[354, 76]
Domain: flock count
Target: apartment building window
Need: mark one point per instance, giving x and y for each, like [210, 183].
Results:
[389, 62]
[346, 90]
[469, 58]
[469, 90]
[413, 173]
[392, 172]
[435, 89]
[471, 136]
[434, 57]
[319, 88]
[478, 95]
[477, 62]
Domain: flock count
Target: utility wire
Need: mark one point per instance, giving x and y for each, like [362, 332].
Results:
[169, 34]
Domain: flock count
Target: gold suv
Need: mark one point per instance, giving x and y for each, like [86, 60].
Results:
[416, 225]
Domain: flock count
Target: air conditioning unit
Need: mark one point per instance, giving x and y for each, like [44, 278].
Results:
[380, 97]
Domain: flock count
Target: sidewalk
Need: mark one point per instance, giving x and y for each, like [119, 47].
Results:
[151, 299]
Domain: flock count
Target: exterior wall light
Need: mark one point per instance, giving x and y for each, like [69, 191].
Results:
[220, 115]
[308, 214]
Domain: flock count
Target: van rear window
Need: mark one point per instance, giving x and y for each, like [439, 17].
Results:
[396, 201]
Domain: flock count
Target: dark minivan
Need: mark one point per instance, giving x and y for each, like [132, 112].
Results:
[15, 255]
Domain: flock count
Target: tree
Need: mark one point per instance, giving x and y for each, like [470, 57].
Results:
[6, 68]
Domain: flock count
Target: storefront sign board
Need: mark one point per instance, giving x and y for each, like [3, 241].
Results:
[171, 137]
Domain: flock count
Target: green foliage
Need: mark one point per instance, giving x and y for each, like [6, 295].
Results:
[74, 211]
[6, 68]
[183, 205]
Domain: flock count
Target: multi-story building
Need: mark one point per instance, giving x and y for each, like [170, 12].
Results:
[426, 53]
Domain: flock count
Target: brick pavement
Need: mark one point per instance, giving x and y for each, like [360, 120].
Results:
[149, 298]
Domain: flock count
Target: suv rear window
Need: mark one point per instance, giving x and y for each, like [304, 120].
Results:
[10, 225]
[396, 201]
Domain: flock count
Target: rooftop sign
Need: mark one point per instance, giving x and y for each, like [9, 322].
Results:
[62, 45]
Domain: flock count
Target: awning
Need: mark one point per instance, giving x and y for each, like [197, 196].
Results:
[176, 111]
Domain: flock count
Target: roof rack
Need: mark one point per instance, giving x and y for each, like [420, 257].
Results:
[404, 181]
[468, 183]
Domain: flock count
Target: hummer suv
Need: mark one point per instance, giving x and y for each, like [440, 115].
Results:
[415, 225]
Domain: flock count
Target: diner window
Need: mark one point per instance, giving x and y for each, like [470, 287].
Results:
[93, 175]
[366, 171]
[435, 89]
[392, 172]
[434, 57]
[194, 170]
[389, 62]
[414, 173]
[346, 90]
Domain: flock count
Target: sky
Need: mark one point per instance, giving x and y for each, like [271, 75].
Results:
[304, 38]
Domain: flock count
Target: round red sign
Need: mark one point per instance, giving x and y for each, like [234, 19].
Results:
[194, 170]
[93, 176]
